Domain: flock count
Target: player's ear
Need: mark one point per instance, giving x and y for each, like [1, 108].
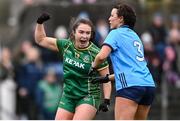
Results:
[73, 32]
[121, 19]
[72, 36]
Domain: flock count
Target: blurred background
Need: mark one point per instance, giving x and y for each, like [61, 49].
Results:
[31, 77]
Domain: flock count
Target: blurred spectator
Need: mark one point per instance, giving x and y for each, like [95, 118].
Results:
[32, 2]
[48, 56]
[7, 86]
[0, 51]
[147, 41]
[102, 29]
[83, 1]
[174, 32]
[29, 74]
[77, 1]
[3, 72]
[175, 23]
[6, 61]
[153, 61]
[156, 55]
[20, 54]
[169, 65]
[58, 68]
[83, 14]
[174, 37]
[48, 94]
[159, 34]
[61, 32]
[91, 1]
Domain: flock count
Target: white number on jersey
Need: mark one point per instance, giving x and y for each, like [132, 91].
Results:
[138, 45]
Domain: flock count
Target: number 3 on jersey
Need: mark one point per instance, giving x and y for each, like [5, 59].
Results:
[141, 56]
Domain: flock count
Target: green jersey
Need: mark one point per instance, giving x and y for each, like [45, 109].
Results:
[76, 65]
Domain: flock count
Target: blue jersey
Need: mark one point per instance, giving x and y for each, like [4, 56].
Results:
[127, 56]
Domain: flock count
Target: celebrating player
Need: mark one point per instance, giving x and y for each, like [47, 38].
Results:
[80, 98]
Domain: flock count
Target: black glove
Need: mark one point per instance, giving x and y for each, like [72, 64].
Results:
[92, 71]
[100, 79]
[104, 107]
[43, 17]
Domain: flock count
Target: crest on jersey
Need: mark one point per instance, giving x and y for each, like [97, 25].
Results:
[86, 59]
[77, 55]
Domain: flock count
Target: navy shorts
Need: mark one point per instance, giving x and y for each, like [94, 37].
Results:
[140, 94]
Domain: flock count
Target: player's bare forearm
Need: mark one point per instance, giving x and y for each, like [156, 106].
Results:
[98, 60]
[111, 77]
[107, 90]
[101, 56]
[39, 33]
[44, 41]
[106, 86]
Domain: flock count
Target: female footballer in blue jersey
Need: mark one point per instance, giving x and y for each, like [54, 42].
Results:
[135, 88]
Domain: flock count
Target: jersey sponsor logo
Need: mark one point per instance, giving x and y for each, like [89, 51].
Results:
[75, 63]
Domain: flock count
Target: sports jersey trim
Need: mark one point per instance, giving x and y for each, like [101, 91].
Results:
[103, 68]
[83, 48]
[108, 46]
[123, 80]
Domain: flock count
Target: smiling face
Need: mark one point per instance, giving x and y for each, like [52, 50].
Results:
[114, 20]
[82, 36]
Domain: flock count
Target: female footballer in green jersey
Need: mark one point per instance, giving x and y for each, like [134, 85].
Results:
[81, 98]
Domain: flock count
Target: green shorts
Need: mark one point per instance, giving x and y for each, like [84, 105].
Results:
[70, 104]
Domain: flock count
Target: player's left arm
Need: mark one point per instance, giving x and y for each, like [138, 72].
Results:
[106, 86]
[104, 106]
[111, 77]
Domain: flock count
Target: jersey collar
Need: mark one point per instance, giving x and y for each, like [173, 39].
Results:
[124, 26]
[83, 48]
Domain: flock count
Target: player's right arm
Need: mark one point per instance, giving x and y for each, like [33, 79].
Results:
[103, 79]
[111, 77]
[40, 34]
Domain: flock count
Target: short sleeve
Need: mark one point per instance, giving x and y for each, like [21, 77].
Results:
[61, 43]
[103, 65]
[111, 40]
